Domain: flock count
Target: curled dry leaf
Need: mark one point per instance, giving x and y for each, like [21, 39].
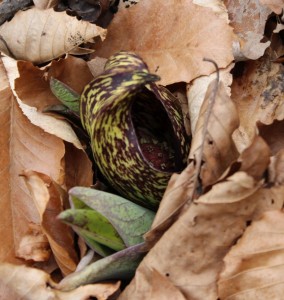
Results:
[254, 267]
[258, 94]
[23, 146]
[31, 87]
[41, 35]
[49, 198]
[175, 55]
[248, 18]
[196, 91]
[38, 285]
[219, 149]
[217, 6]
[190, 252]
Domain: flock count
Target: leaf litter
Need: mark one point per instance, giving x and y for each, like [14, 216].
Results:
[219, 239]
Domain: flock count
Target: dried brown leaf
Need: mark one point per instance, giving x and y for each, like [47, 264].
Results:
[47, 195]
[175, 43]
[190, 252]
[248, 18]
[219, 149]
[178, 193]
[196, 91]
[217, 6]
[273, 134]
[45, 4]
[258, 95]
[19, 282]
[41, 35]
[274, 5]
[254, 267]
[24, 146]
[34, 245]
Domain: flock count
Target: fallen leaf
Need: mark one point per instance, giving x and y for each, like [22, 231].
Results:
[41, 35]
[34, 245]
[38, 285]
[196, 91]
[276, 169]
[217, 6]
[24, 146]
[248, 18]
[45, 4]
[47, 196]
[254, 266]
[273, 134]
[175, 55]
[219, 149]
[258, 94]
[274, 5]
[59, 128]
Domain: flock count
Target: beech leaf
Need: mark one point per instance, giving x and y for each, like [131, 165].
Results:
[175, 55]
[254, 266]
[41, 35]
[20, 282]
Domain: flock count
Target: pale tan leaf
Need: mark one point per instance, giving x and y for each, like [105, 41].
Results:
[34, 245]
[19, 282]
[190, 252]
[258, 95]
[219, 149]
[33, 87]
[275, 5]
[97, 65]
[196, 91]
[59, 235]
[217, 6]
[44, 4]
[23, 146]
[175, 44]
[254, 267]
[248, 18]
[41, 35]
[178, 193]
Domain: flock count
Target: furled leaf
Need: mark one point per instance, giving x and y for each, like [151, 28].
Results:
[94, 225]
[20, 282]
[189, 254]
[41, 35]
[49, 200]
[219, 149]
[175, 43]
[45, 4]
[23, 146]
[120, 265]
[65, 94]
[119, 211]
[254, 266]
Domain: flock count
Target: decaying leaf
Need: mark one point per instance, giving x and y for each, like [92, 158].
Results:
[24, 146]
[219, 149]
[20, 282]
[49, 200]
[258, 94]
[248, 18]
[274, 5]
[196, 91]
[175, 55]
[41, 35]
[254, 266]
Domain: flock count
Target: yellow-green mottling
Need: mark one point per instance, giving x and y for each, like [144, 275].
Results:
[106, 113]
